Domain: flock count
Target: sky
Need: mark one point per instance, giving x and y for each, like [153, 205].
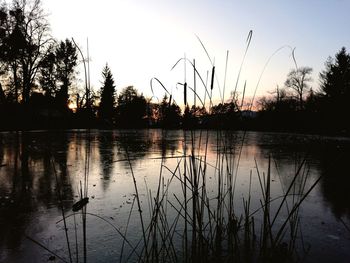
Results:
[143, 39]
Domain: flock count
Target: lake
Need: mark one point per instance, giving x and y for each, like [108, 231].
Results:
[40, 170]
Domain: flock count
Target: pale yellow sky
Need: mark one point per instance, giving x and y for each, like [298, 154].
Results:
[143, 39]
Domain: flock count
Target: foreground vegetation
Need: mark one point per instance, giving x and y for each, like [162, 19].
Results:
[209, 226]
[194, 213]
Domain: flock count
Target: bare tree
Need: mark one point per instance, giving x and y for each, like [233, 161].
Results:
[25, 39]
[298, 80]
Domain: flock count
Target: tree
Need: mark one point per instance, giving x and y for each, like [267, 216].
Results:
[48, 74]
[170, 114]
[224, 115]
[335, 79]
[298, 80]
[131, 108]
[335, 88]
[12, 43]
[57, 71]
[66, 60]
[107, 104]
[24, 41]
[193, 116]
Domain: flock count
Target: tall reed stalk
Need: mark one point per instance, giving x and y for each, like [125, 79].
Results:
[204, 222]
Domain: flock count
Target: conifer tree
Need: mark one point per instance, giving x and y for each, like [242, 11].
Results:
[335, 79]
[335, 88]
[107, 104]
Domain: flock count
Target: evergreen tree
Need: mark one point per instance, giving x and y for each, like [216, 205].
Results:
[106, 109]
[335, 79]
[170, 114]
[131, 109]
[335, 87]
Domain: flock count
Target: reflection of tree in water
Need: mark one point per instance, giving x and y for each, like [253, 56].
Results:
[60, 152]
[57, 148]
[46, 152]
[106, 149]
[286, 169]
[136, 142]
[142, 143]
[168, 143]
[326, 156]
[335, 183]
[17, 202]
[230, 142]
[16, 199]
[30, 181]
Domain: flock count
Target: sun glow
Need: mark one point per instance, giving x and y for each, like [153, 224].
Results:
[72, 106]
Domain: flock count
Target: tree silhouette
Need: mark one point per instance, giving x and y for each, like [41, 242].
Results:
[169, 114]
[335, 87]
[131, 109]
[12, 44]
[25, 39]
[335, 79]
[66, 60]
[298, 80]
[106, 109]
[57, 72]
[48, 74]
[224, 115]
[192, 117]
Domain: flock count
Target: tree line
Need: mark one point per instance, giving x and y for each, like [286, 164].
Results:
[294, 107]
[37, 73]
[35, 69]
[299, 107]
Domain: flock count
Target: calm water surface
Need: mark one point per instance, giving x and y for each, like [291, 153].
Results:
[32, 164]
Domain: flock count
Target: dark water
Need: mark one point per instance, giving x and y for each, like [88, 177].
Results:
[33, 164]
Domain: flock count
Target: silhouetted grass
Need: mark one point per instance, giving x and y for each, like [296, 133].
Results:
[203, 223]
[212, 228]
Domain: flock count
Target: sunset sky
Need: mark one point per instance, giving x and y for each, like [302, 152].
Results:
[143, 39]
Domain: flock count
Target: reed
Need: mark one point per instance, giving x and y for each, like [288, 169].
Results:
[212, 227]
[217, 230]
[207, 221]
[209, 226]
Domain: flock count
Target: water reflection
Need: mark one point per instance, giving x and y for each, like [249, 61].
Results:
[167, 143]
[28, 184]
[136, 143]
[28, 189]
[336, 180]
[106, 150]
